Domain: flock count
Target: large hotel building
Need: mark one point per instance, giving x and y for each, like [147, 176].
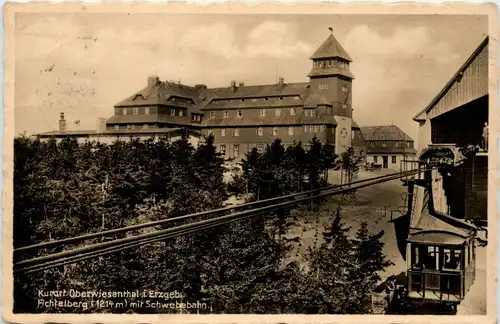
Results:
[242, 117]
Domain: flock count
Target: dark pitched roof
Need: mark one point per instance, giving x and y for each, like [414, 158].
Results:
[330, 71]
[329, 49]
[450, 83]
[254, 91]
[384, 133]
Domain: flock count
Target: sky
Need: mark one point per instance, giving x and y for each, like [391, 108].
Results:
[84, 63]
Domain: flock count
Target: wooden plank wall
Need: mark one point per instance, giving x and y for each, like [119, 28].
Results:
[474, 84]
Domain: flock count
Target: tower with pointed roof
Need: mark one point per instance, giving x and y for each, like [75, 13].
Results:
[331, 82]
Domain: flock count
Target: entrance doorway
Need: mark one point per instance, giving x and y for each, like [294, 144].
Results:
[385, 162]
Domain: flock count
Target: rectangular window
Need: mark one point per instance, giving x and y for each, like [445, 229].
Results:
[259, 131]
[344, 89]
[117, 127]
[375, 159]
[222, 132]
[451, 259]
[181, 112]
[306, 112]
[432, 259]
[290, 130]
[226, 114]
[322, 128]
[125, 111]
[145, 126]
[353, 134]
[344, 106]
[277, 112]
[172, 112]
[372, 144]
[384, 144]
[262, 113]
[393, 159]
[146, 111]
[136, 111]
[236, 132]
[275, 131]
[239, 113]
[236, 150]
[223, 149]
[316, 129]
[292, 111]
[306, 129]
[408, 144]
[212, 114]
[329, 110]
[311, 129]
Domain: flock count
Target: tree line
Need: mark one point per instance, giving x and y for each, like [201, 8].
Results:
[64, 189]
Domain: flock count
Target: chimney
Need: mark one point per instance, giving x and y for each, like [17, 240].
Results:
[62, 123]
[242, 84]
[153, 80]
[101, 125]
[233, 85]
[281, 82]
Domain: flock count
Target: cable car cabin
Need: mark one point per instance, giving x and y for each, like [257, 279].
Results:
[440, 251]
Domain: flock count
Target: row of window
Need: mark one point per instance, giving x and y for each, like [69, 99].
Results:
[275, 130]
[132, 126]
[277, 112]
[252, 99]
[135, 111]
[396, 144]
[331, 63]
[236, 149]
[393, 159]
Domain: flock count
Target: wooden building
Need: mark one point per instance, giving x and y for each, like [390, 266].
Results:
[388, 146]
[458, 115]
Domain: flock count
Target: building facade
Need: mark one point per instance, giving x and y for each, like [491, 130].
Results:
[242, 117]
[388, 146]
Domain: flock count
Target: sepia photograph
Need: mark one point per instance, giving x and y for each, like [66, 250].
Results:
[204, 162]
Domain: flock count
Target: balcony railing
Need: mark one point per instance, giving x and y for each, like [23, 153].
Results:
[435, 285]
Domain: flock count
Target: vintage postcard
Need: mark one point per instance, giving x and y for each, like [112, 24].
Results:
[239, 162]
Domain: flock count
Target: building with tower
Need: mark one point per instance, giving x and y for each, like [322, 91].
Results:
[241, 117]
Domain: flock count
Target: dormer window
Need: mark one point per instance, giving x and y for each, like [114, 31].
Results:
[138, 96]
